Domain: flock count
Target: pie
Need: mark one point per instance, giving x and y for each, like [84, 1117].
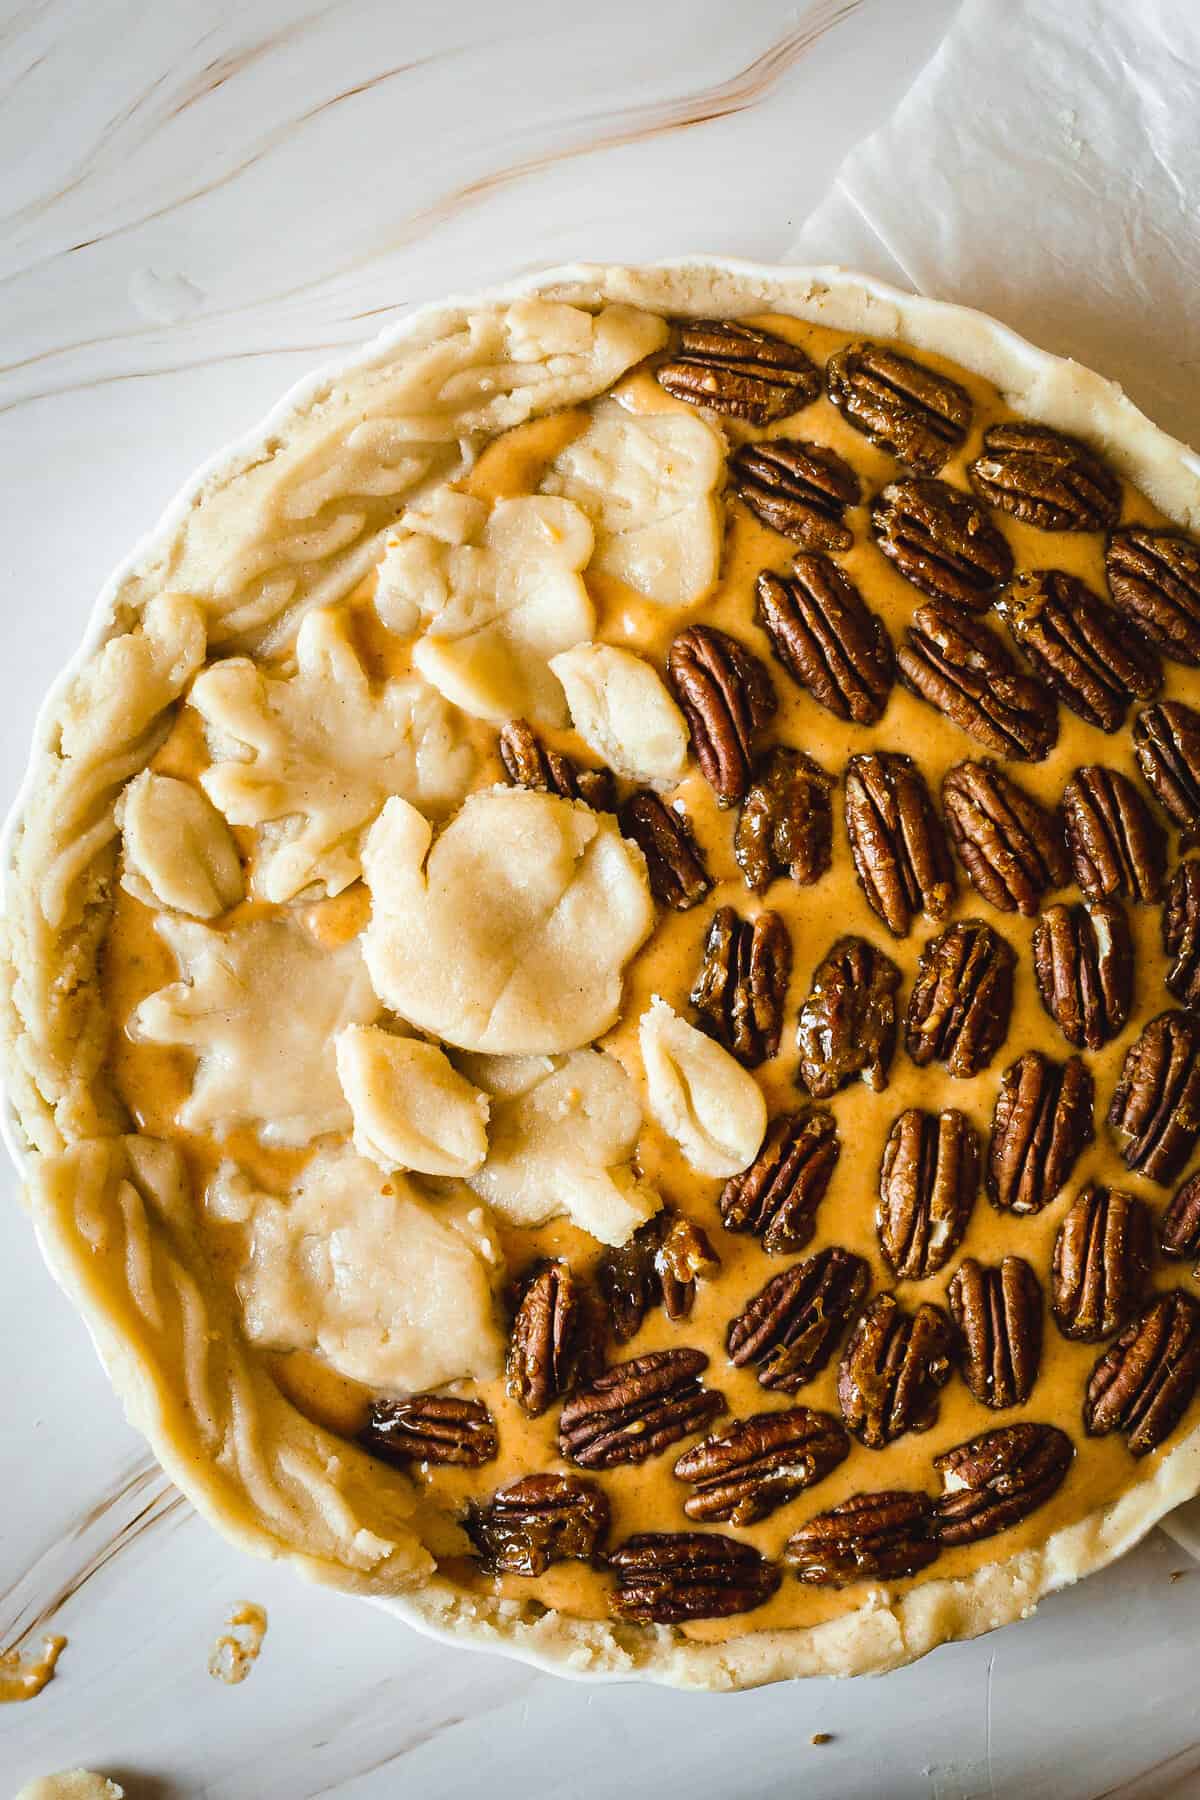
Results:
[602, 975]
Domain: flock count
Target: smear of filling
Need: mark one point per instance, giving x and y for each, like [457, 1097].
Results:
[235, 1653]
[22, 1677]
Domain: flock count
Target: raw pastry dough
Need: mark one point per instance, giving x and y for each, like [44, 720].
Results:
[713, 1109]
[622, 711]
[179, 852]
[411, 1107]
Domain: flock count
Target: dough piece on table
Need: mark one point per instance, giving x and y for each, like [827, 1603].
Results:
[179, 852]
[621, 709]
[72, 1784]
[412, 1109]
[705, 1100]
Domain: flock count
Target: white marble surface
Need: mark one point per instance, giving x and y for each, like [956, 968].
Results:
[200, 200]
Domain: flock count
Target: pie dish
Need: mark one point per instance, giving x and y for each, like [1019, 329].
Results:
[600, 987]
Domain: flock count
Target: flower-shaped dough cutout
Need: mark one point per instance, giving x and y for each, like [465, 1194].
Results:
[705, 1100]
[310, 757]
[390, 1288]
[259, 1004]
[621, 709]
[511, 933]
[648, 483]
[412, 1109]
[179, 852]
[563, 1132]
[501, 592]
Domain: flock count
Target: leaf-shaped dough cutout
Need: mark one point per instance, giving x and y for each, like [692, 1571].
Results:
[648, 483]
[621, 709]
[179, 852]
[388, 1287]
[502, 593]
[705, 1100]
[259, 1005]
[412, 1109]
[510, 935]
[311, 757]
[562, 1134]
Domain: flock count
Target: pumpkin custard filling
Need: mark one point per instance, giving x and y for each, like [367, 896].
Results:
[660, 1013]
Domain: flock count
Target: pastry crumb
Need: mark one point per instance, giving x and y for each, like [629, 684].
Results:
[235, 1653]
[821, 1737]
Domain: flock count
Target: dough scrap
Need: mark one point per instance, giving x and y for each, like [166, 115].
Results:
[411, 1107]
[621, 709]
[699, 1094]
[179, 852]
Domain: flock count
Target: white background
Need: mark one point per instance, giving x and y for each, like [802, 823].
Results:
[200, 201]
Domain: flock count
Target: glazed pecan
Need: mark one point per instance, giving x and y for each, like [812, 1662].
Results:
[1089, 655]
[758, 1464]
[1181, 934]
[786, 822]
[637, 1408]
[961, 999]
[1083, 961]
[1115, 845]
[928, 1180]
[998, 1311]
[870, 1537]
[1045, 478]
[529, 763]
[791, 1328]
[746, 374]
[674, 861]
[1011, 848]
[660, 1265]
[551, 1337]
[891, 1370]
[664, 1577]
[1156, 1103]
[847, 1025]
[1042, 1120]
[942, 541]
[430, 1428]
[742, 984]
[1154, 577]
[536, 1521]
[956, 663]
[727, 696]
[1144, 1383]
[777, 1197]
[827, 638]
[897, 841]
[998, 1479]
[1101, 1263]
[1179, 1228]
[1166, 742]
[799, 489]
[920, 416]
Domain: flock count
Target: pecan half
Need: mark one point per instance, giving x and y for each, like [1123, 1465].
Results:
[786, 822]
[674, 863]
[1181, 934]
[1045, 478]
[636, 1409]
[892, 1369]
[1144, 1383]
[956, 663]
[827, 638]
[740, 990]
[746, 374]
[928, 1180]
[664, 1577]
[1154, 577]
[758, 1464]
[430, 1428]
[997, 1479]
[961, 1000]
[896, 839]
[1101, 1263]
[942, 541]
[847, 1024]
[791, 1328]
[920, 416]
[727, 696]
[1083, 962]
[799, 489]
[870, 1537]
[1115, 845]
[1042, 1120]
[1179, 1228]
[998, 1311]
[529, 763]
[660, 1265]
[550, 1338]
[1011, 848]
[1089, 655]
[1156, 1103]
[536, 1521]
[777, 1197]
[1166, 742]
